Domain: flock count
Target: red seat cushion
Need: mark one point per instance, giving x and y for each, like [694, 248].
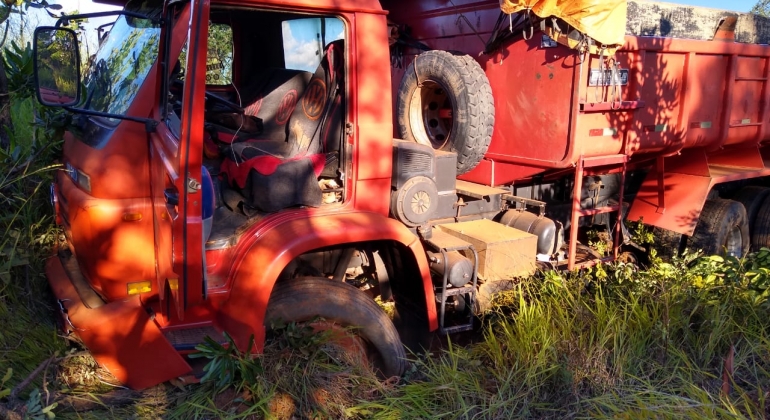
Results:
[238, 172]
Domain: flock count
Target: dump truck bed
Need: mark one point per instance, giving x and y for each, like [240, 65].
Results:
[554, 106]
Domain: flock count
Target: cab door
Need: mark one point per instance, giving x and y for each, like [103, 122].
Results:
[176, 160]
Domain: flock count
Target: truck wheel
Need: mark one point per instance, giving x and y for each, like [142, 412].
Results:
[751, 198]
[760, 235]
[344, 306]
[667, 242]
[445, 101]
[722, 229]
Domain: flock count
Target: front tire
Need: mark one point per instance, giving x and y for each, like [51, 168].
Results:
[306, 298]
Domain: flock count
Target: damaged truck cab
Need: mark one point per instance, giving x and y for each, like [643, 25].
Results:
[231, 165]
[163, 249]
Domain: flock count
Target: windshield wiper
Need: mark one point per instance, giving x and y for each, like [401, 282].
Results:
[65, 20]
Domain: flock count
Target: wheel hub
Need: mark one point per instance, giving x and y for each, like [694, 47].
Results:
[734, 243]
[434, 106]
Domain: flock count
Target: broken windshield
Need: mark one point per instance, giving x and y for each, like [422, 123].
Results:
[117, 71]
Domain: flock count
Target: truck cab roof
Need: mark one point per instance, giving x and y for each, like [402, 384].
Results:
[342, 5]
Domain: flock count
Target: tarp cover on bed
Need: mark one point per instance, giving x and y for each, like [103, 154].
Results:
[602, 20]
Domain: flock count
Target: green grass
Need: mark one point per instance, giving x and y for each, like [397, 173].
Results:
[612, 343]
[651, 345]
[28, 335]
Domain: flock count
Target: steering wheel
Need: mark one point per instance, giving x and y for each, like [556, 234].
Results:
[222, 101]
[215, 98]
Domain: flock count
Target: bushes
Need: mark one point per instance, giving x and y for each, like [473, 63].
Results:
[25, 220]
[28, 336]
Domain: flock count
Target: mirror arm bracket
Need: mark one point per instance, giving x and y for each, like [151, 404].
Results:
[150, 125]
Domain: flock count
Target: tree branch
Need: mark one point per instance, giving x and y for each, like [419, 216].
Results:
[12, 398]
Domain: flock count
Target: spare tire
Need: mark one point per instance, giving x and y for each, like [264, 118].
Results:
[445, 101]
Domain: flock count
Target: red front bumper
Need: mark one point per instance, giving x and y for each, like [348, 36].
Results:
[120, 335]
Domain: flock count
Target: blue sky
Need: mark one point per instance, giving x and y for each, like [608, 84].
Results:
[301, 44]
[737, 5]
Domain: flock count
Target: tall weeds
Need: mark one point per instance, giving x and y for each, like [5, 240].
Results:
[609, 343]
[26, 228]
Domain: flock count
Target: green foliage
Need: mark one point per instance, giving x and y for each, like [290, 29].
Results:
[37, 130]
[641, 233]
[38, 4]
[300, 336]
[26, 233]
[611, 342]
[304, 372]
[745, 281]
[25, 223]
[598, 243]
[35, 409]
[762, 7]
[4, 391]
[228, 366]
[19, 66]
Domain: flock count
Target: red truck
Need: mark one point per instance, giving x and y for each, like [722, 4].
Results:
[232, 164]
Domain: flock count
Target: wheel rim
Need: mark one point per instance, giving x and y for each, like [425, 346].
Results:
[734, 243]
[431, 114]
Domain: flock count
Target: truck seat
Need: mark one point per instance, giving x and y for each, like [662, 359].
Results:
[333, 130]
[276, 175]
[269, 98]
[274, 99]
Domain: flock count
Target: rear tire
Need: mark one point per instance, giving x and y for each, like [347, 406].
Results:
[306, 298]
[445, 101]
[667, 243]
[722, 229]
[752, 198]
[760, 235]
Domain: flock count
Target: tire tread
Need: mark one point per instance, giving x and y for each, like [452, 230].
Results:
[303, 299]
[716, 219]
[465, 77]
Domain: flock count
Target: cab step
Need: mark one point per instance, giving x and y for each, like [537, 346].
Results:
[185, 339]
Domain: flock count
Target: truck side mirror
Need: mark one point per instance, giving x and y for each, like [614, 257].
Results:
[57, 66]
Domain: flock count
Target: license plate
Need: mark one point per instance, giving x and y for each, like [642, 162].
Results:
[604, 78]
